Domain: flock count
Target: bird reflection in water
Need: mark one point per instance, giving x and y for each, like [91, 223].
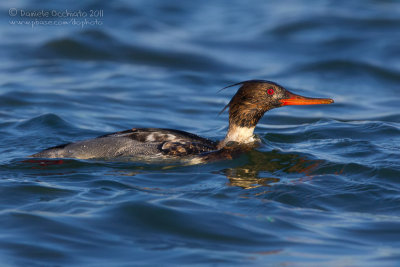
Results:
[261, 166]
[257, 172]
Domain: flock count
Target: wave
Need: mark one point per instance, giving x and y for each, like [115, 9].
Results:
[97, 45]
[348, 67]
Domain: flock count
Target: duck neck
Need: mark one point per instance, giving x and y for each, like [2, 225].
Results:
[238, 134]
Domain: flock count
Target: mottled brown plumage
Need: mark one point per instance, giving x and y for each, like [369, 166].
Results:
[252, 100]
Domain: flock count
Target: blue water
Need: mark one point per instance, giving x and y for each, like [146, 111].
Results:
[321, 190]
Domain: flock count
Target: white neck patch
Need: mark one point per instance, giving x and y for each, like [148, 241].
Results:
[239, 134]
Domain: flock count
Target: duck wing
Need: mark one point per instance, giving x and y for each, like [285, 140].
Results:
[171, 142]
[136, 142]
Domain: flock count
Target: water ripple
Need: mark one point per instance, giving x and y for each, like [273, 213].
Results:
[321, 190]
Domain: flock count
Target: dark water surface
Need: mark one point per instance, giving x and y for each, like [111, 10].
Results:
[322, 190]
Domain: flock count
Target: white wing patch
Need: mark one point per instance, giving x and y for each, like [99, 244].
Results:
[151, 138]
[161, 137]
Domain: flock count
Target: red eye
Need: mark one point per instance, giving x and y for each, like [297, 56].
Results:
[270, 91]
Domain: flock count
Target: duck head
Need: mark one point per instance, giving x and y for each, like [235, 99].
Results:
[252, 100]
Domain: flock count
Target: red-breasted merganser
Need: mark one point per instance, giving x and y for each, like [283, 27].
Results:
[246, 108]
